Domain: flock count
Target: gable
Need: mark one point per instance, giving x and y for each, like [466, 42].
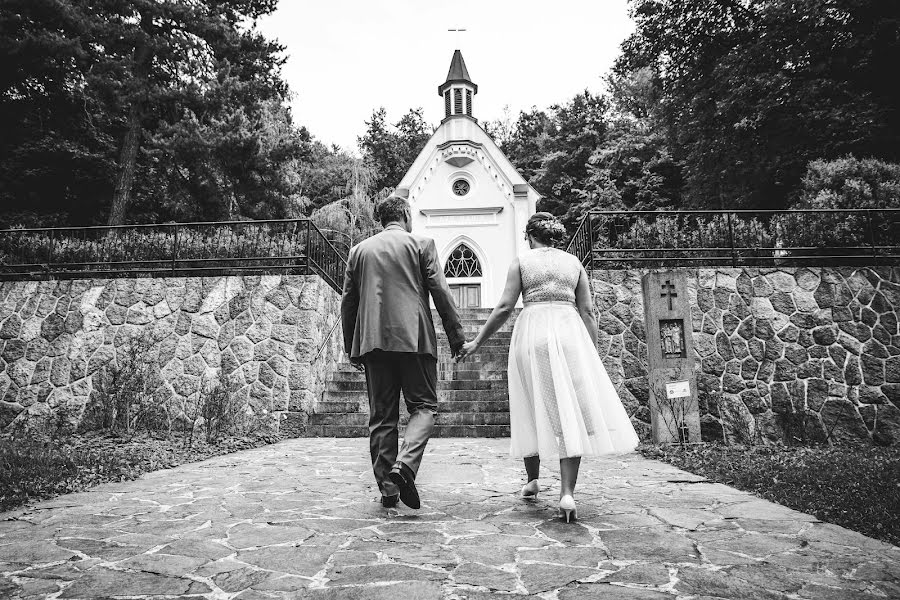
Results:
[460, 144]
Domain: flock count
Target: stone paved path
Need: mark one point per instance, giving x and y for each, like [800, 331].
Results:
[300, 520]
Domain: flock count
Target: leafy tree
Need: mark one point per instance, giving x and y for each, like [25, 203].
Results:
[388, 151]
[350, 219]
[633, 168]
[851, 182]
[111, 101]
[529, 142]
[501, 130]
[752, 90]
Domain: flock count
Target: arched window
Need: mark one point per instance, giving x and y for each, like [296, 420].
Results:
[462, 263]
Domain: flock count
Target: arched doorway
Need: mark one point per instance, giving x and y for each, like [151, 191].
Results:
[464, 274]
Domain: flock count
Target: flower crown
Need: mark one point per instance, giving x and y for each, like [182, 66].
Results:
[551, 226]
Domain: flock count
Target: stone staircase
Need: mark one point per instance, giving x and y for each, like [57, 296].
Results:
[472, 396]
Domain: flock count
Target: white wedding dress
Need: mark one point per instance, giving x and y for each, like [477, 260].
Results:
[561, 401]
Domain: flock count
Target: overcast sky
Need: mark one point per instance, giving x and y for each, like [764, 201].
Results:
[347, 57]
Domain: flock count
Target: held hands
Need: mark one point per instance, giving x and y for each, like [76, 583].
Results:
[356, 363]
[467, 349]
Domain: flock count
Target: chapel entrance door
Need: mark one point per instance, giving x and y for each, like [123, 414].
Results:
[466, 295]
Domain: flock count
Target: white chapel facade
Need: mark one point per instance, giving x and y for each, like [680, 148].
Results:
[465, 194]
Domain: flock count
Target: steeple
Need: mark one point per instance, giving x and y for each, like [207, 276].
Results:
[458, 90]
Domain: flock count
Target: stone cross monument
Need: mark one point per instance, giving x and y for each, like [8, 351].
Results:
[674, 410]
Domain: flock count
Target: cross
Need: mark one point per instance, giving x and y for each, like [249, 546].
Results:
[668, 290]
[457, 31]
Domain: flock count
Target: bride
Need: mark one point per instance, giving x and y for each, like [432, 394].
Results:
[562, 403]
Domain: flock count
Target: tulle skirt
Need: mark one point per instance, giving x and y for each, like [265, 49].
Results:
[561, 401]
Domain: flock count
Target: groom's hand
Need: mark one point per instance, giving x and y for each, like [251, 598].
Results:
[356, 363]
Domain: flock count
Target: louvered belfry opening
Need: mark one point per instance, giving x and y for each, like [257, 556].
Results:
[458, 90]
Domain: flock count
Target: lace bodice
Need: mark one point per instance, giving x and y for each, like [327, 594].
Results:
[548, 275]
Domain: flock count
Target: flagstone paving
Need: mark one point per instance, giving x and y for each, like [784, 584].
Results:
[301, 519]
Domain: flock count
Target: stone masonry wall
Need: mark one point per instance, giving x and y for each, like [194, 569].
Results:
[802, 352]
[262, 335]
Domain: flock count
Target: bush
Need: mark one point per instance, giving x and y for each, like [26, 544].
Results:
[850, 183]
[125, 400]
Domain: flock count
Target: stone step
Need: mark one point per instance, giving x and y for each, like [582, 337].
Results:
[444, 406]
[358, 419]
[358, 384]
[484, 355]
[495, 370]
[440, 431]
[361, 398]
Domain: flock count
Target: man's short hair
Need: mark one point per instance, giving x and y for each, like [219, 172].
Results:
[392, 208]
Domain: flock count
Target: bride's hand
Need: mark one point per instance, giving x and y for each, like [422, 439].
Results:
[467, 349]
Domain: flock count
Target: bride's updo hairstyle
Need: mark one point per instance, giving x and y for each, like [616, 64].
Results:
[546, 229]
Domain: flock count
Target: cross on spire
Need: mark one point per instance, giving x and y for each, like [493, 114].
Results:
[457, 31]
[668, 289]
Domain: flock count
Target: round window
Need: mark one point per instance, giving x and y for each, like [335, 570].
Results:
[460, 187]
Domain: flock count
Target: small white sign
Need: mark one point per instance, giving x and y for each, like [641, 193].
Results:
[678, 389]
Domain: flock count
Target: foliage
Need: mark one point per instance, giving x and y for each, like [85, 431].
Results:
[825, 481]
[595, 152]
[129, 249]
[389, 152]
[850, 183]
[351, 218]
[190, 86]
[751, 92]
[124, 400]
[33, 468]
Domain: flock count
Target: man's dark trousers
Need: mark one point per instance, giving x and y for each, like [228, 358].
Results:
[387, 374]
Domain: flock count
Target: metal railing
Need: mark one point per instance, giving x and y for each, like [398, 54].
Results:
[627, 239]
[158, 250]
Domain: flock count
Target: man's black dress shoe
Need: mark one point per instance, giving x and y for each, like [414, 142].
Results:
[403, 477]
[390, 501]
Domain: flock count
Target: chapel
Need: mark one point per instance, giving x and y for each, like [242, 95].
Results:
[465, 194]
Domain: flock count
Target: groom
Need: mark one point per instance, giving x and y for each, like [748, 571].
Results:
[388, 331]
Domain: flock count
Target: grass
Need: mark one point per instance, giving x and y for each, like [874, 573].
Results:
[857, 487]
[38, 468]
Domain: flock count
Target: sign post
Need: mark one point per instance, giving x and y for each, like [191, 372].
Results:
[674, 410]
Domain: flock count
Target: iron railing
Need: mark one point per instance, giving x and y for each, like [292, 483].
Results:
[158, 250]
[626, 239]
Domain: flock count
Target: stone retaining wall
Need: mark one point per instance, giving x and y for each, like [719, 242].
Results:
[262, 336]
[803, 352]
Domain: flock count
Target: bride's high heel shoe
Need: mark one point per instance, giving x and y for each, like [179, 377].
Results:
[530, 490]
[567, 508]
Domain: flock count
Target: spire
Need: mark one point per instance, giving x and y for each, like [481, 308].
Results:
[458, 90]
[458, 73]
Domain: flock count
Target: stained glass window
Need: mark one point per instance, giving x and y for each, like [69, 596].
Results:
[462, 263]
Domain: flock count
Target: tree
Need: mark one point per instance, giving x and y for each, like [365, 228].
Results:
[103, 97]
[388, 151]
[552, 149]
[851, 183]
[752, 90]
[634, 160]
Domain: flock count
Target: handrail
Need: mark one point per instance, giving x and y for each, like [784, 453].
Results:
[337, 322]
[623, 239]
[160, 249]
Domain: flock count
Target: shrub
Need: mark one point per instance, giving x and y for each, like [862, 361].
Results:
[850, 183]
[124, 399]
[846, 183]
